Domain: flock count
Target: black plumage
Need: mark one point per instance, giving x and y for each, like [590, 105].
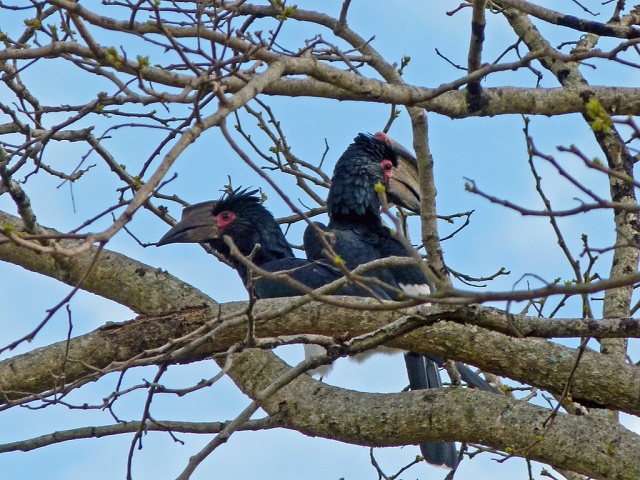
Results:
[357, 235]
[241, 216]
[356, 231]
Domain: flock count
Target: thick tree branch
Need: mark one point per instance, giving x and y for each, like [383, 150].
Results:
[597, 447]
[599, 379]
[143, 289]
[331, 82]
[570, 21]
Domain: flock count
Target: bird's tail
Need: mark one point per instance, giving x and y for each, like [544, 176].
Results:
[470, 377]
[441, 454]
[423, 374]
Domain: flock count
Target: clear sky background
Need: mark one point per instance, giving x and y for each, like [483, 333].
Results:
[490, 151]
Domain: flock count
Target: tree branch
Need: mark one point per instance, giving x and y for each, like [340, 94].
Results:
[599, 379]
[317, 409]
[142, 288]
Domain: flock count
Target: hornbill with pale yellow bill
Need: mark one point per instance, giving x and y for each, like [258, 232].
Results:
[357, 235]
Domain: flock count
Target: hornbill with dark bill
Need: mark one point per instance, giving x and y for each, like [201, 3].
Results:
[241, 216]
[357, 235]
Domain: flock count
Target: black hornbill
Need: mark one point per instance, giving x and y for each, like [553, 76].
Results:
[241, 216]
[357, 235]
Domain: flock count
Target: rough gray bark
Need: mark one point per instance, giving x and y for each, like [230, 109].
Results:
[347, 416]
[599, 379]
[321, 410]
[142, 288]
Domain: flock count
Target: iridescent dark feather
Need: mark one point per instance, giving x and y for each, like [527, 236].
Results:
[357, 235]
[255, 232]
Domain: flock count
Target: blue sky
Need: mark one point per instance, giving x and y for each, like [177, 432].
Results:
[490, 151]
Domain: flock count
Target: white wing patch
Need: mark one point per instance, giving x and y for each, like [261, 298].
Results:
[415, 289]
[311, 351]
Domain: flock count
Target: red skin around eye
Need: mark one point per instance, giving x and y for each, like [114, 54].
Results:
[225, 218]
[387, 168]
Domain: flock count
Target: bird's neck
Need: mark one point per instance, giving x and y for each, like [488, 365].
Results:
[270, 249]
[350, 219]
[353, 197]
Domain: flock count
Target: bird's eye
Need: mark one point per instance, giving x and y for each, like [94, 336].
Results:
[225, 218]
[386, 165]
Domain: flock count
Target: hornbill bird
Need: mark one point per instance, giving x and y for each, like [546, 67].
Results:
[357, 235]
[241, 216]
